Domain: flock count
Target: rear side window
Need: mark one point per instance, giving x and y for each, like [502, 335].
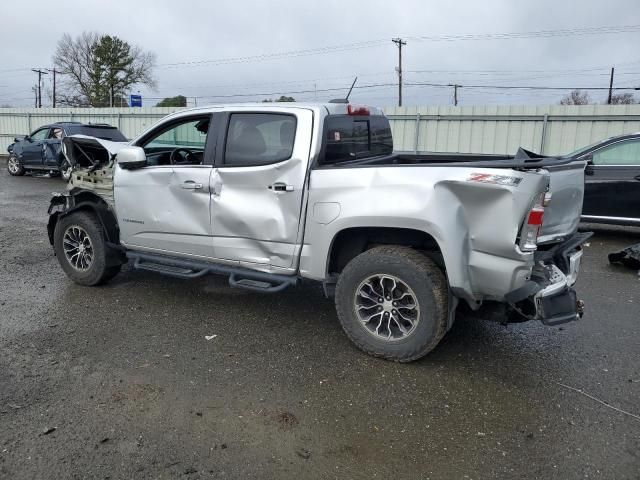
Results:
[351, 138]
[105, 133]
[259, 138]
[622, 153]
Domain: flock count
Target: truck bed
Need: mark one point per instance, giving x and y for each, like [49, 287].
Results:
[523, 159]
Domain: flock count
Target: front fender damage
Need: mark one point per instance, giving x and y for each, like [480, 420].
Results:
[64, 204]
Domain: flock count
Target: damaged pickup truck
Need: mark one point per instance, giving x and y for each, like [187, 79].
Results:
[270, 195]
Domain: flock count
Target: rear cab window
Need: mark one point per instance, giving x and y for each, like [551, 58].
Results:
[349, 138]
[259, 138]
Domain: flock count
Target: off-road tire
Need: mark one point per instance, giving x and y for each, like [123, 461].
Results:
[98, 272]
[13, 171]
[418, 272]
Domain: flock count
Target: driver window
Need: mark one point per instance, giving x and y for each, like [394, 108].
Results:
[181, 143]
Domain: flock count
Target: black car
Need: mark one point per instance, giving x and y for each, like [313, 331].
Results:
[612, 180]
[41, 150]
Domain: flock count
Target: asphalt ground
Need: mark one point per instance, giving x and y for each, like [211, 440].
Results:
[120, 381]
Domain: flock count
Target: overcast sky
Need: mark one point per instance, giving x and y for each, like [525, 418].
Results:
[196, 31]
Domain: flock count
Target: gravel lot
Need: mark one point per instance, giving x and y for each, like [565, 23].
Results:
[119, 381]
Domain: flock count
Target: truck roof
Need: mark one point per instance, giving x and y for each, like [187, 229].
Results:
[329, 107]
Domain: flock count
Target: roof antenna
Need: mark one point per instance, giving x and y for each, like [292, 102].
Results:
[352, 85]
[346, 99]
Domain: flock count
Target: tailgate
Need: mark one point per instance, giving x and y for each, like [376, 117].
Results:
[562, 214]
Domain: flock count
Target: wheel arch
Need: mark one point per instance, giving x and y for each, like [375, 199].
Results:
[82, 200]
[351, 242]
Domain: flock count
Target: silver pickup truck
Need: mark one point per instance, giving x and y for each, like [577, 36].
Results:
[269, 195]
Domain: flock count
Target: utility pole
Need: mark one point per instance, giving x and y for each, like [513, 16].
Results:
[455, 94]
[399, 42]
[53, 70]
[40, 73]
[610, 86]
[35, 94]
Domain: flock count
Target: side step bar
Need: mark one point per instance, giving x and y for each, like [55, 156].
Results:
[238, 277]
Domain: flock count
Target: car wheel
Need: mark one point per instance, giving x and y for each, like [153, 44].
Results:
[65, 170]
[392, 303]
[79, 244]
[14, 166]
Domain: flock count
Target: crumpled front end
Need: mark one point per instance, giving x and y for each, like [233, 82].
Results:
[92, 161]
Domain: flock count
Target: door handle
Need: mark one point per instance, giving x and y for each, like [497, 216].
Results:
[280, 187]
[191, 185]
[637, 177]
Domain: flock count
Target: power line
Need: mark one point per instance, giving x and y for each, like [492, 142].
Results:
[523, 87]
[535, 34]
[432, 38]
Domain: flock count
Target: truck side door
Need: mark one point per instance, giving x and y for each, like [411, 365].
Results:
[613, 181]
[258, 187]
[164, 206]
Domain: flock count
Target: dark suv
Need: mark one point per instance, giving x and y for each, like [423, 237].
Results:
[41, 150]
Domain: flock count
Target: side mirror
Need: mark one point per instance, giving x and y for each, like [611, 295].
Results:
[131, 157]
[26, 138]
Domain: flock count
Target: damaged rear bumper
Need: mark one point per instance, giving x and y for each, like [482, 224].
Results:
[548, 296]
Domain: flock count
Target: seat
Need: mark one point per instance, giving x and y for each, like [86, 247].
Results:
[248, 145]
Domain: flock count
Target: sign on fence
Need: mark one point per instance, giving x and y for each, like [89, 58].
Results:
[135, 100]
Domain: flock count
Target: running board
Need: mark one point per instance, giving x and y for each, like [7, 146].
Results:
[186, 269]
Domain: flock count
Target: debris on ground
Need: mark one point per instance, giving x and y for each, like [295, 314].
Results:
[303, 453]
[629, 257]
[210, 337]
[49, 430]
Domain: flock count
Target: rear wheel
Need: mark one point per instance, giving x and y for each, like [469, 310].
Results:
[79, 244]
[392, 303]
[14, 166]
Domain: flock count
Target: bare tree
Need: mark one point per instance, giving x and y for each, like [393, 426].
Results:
[623, 99]
[576, 97]
[97, 70]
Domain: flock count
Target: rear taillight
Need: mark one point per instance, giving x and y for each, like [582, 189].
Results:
[531, 227]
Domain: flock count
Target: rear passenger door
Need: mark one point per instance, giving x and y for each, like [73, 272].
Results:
[258, 187]
[613, 181]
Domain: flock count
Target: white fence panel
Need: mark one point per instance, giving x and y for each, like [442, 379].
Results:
[554, 129]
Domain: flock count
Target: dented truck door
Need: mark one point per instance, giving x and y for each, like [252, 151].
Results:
[258, 186]
[164, 206]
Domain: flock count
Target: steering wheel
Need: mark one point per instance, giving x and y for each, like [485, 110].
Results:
[181, 156]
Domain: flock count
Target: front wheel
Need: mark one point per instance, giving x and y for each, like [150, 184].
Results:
[14, 166]
[80, 247]
[392, 303]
